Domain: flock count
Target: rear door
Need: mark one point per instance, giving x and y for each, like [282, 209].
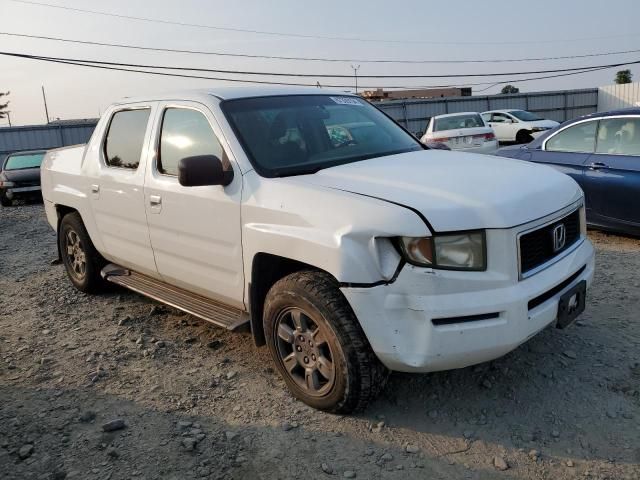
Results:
[116, 188]
[613, 171]
[195, 231]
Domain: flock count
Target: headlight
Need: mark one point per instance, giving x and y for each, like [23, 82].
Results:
[540, 129]
[457, 251]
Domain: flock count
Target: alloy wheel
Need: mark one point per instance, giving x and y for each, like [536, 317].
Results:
[305, 351]
[76, 256]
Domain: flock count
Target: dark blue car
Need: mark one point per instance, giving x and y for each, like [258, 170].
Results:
[601, 151]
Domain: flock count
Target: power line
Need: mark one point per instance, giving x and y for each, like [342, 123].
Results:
[313, 59]
[266, 82]
[309, 36]
[328, 75]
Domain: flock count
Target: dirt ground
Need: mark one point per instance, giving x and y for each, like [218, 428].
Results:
[186, 400]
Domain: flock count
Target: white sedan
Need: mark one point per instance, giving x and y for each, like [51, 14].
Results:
[465, 131]
[517, 126]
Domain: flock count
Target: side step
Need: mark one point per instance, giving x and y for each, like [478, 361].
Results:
[210, 310]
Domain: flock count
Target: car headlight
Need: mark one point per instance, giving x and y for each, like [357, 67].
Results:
[454, 251]
[540, 129]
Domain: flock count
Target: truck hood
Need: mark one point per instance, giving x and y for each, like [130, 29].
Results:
[456, 191]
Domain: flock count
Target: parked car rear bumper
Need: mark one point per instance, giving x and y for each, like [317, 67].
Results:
[21, 192]
[487, 147]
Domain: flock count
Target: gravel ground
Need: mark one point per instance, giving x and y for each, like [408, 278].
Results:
[116, 386]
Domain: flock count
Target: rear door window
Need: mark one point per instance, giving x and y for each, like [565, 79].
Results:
[29, 160]
[185, 133]
[580, 138]
[619, 136]
[125, 138]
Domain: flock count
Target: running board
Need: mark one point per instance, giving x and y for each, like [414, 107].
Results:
[210, 310]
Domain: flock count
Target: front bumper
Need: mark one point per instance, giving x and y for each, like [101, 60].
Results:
[398, 318]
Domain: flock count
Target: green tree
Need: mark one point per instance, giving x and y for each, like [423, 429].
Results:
[510, 89]
[623, 76]
[3, 106]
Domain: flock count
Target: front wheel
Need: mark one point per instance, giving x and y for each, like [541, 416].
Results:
[4, 201]
[81, 259]
[523, 136]
[318, 345]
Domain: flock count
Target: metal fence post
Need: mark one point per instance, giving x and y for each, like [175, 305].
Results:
[406, 119]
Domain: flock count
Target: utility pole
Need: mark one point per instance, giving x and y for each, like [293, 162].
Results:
[46, 110]
[355, 74]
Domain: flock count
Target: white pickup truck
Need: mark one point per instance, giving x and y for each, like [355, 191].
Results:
[348, 247]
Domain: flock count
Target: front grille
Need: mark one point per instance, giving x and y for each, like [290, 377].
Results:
[537, 247]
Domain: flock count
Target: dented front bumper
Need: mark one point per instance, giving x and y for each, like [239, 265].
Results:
[430, 320]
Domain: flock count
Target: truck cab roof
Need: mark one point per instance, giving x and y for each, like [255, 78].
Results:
[229, 93]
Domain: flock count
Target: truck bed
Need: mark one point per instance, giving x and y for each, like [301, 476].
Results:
[62, 177]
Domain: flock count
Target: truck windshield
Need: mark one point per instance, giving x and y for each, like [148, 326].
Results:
[301, 134]
[17, 162]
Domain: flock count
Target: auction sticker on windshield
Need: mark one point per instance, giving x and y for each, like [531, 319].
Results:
[346, 101]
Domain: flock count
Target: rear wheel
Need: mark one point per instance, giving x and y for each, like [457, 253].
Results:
[81, 259]
[318, 345]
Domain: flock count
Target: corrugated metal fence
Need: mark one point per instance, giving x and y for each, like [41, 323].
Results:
[42, 137]
[558, 105]
[613, 97]
[412, 114]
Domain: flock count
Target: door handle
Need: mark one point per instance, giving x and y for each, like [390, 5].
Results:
[95, 188]
[598, 166]
[155, 200]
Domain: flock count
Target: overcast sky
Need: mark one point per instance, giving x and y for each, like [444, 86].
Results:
[425, 30]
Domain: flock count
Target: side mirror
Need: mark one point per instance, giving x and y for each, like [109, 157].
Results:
[202, 170]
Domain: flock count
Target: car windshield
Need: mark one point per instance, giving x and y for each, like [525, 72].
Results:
[300, 134]
[454, 122]
[525, 116]
[29, 160]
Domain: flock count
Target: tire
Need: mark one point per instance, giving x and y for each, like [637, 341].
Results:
[4, 201]
[318, 345]
[523, 136]
[81, 259]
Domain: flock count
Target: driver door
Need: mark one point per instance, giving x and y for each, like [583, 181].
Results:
[502, 125]
[195, 231]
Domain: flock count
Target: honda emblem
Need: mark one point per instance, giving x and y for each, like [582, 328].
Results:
[559, 237]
